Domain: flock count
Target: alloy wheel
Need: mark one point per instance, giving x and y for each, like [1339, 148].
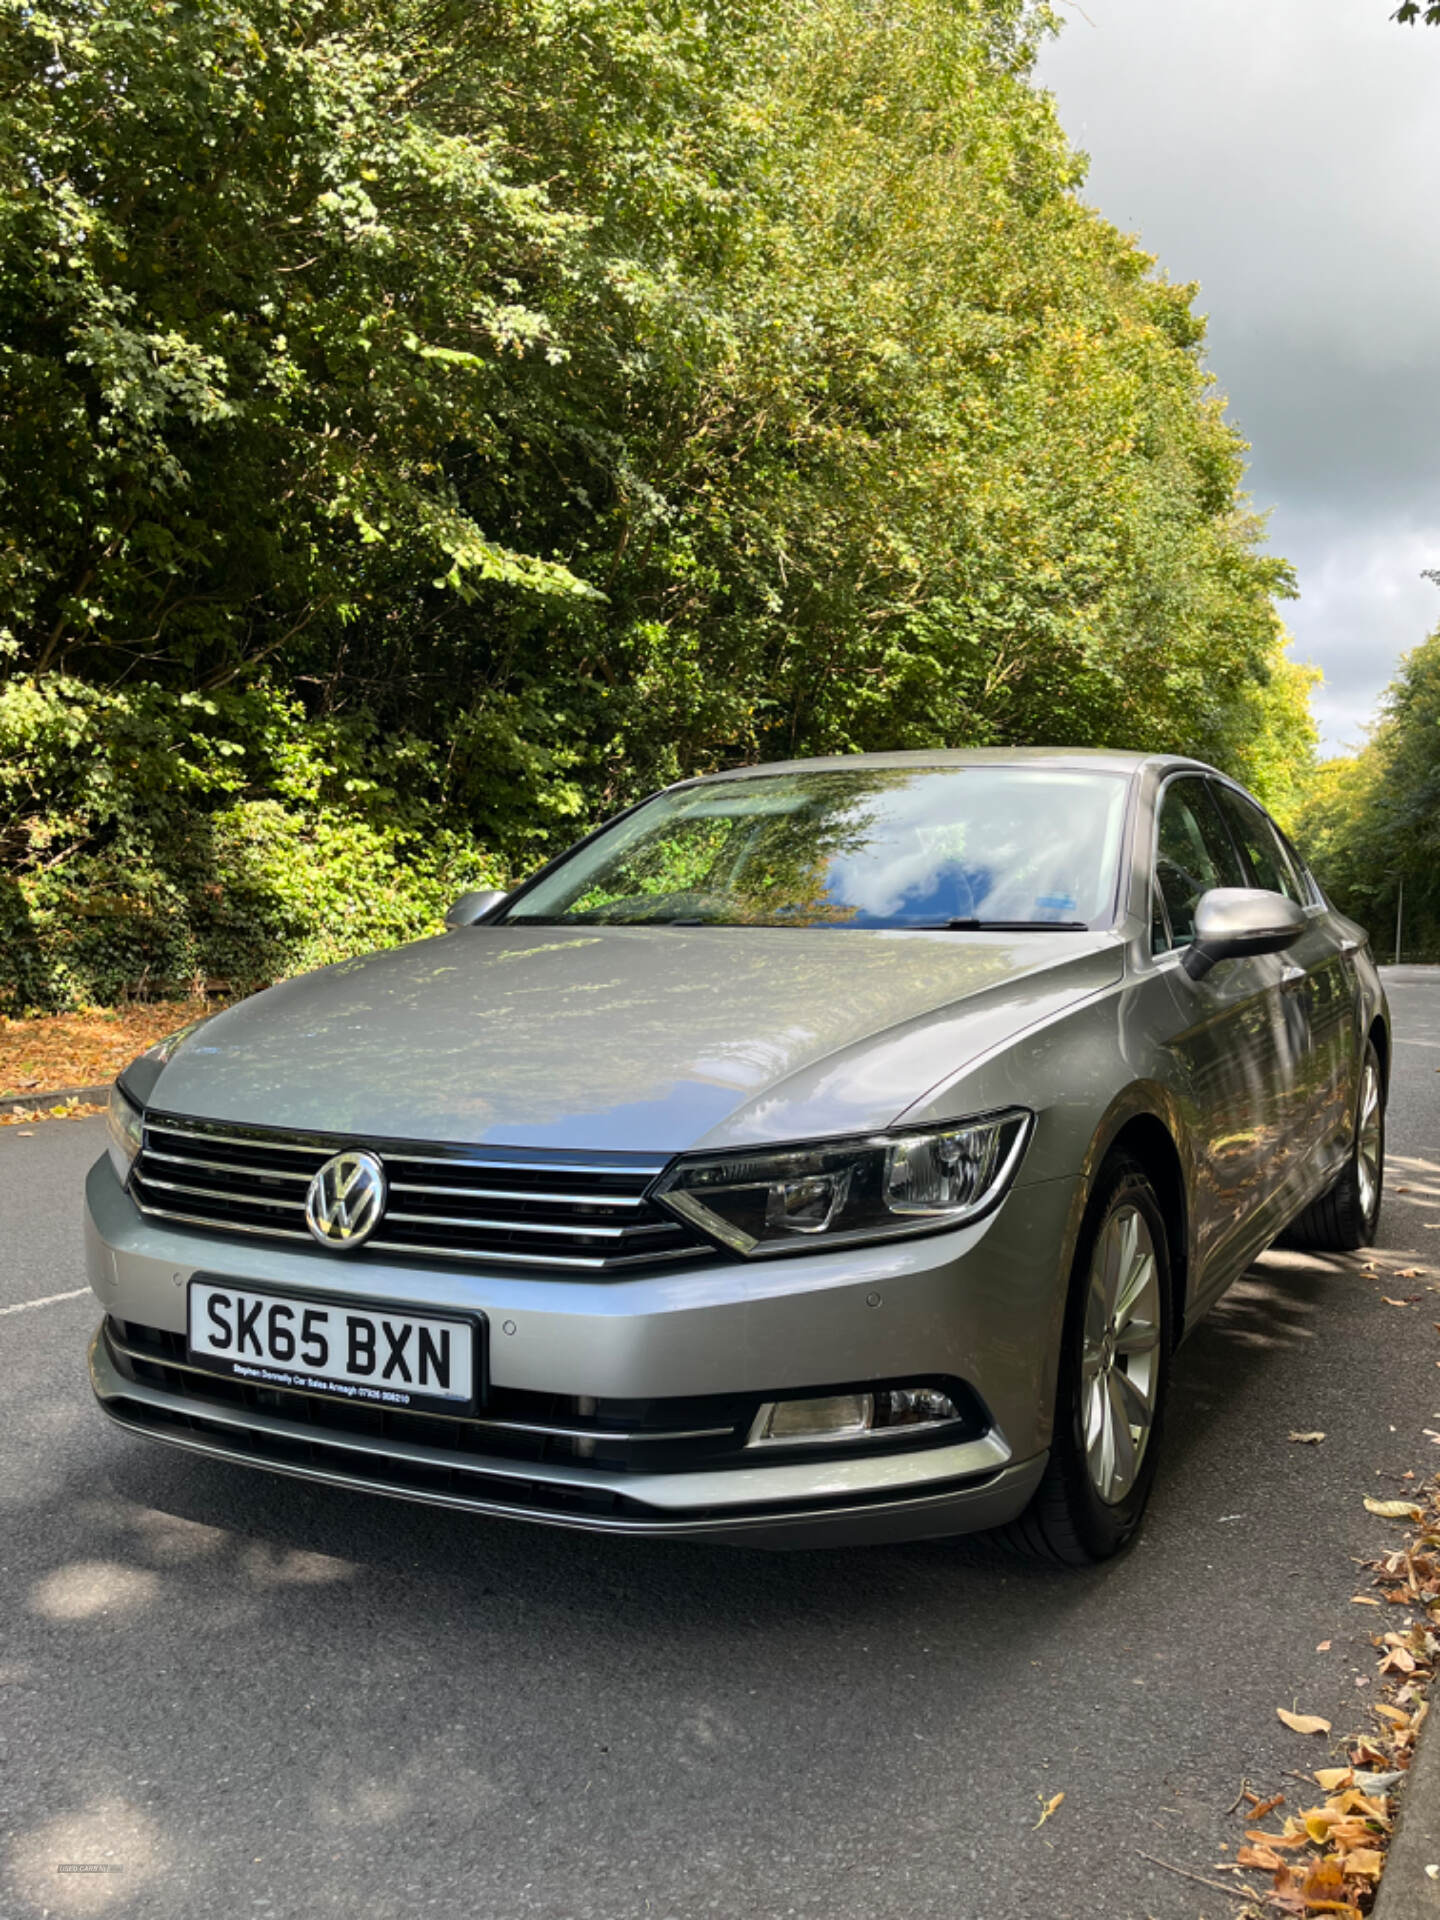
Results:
[1120, 1358]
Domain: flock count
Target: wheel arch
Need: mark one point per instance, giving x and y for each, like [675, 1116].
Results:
[1141, 1131]
[1379, 1037]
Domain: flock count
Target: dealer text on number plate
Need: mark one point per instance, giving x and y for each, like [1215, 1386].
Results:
[353, 1351]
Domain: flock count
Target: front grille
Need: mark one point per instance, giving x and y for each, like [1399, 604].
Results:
[582, 1211]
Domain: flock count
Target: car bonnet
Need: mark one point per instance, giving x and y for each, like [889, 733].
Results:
[647, 1039]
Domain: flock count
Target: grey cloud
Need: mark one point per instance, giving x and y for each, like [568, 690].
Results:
[1287, 157]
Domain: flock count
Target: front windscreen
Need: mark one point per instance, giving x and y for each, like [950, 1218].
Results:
[873, 847]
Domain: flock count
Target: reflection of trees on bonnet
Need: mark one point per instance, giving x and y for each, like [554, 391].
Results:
[617, 1036]
[760, 855]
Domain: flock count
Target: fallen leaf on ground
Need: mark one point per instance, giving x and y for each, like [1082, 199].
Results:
[1392, 1509]
[1363, 1600]
[1320, 1888]
[1332, 1779]
[71, 1110]
[1308, 1439]
[1323, 1647]
[1396, 1714]
[1395, 1303]
[1324, 1884]
[1303, 1722]
[85, 1049]
[1049, 1808]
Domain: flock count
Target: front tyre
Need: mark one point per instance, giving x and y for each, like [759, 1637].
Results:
[1114, 1369]
[1345, 1217]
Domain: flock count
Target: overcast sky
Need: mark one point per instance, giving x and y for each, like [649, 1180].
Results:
[1286, 155]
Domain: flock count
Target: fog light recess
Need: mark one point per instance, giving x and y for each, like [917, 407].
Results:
[836, 1417]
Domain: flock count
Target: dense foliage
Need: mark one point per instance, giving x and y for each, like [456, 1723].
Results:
[428, 424]
[203, 838]
[1371, 824]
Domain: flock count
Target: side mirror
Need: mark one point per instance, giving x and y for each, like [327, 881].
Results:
[1234, 921]
[471, 907]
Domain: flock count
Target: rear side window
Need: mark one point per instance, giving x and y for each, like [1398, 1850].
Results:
[1260, 847]
[1193, 853]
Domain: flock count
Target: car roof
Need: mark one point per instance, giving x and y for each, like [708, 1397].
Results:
[1099, 759]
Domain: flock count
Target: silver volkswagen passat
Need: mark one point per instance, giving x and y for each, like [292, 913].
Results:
[823, 1152]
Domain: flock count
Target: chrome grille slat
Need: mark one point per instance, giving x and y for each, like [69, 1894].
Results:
[234, 1140]
[521, 1211]
[229, 1226]
[637, 1169]
[224, 1193]
[600, 1263]
[517, 1193]
[224, 1166]
[510, 1226]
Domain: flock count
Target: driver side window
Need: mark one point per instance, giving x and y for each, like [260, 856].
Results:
[1193, 852]
[1266, 858]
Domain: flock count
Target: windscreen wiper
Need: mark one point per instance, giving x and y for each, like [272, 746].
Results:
[1005, 926]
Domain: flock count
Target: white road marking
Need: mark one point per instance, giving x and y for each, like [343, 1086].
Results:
[48, 1301]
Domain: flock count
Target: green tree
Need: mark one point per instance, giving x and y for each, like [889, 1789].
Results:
[1371, 824]
[540, 399]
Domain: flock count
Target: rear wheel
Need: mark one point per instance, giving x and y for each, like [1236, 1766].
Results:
[1345, 1217]
[1114, 1367]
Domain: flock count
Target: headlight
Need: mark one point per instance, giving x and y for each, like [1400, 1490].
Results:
[789, 1199]
[126, 1125]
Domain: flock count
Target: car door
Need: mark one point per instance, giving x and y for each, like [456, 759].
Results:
[1238, 1060]
[1319, 1001]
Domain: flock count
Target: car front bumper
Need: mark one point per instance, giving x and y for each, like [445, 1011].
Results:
[982, 1305]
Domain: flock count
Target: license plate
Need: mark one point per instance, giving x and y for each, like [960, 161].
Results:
[349, 1350]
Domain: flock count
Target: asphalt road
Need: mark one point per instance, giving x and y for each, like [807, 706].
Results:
[242, 1696]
